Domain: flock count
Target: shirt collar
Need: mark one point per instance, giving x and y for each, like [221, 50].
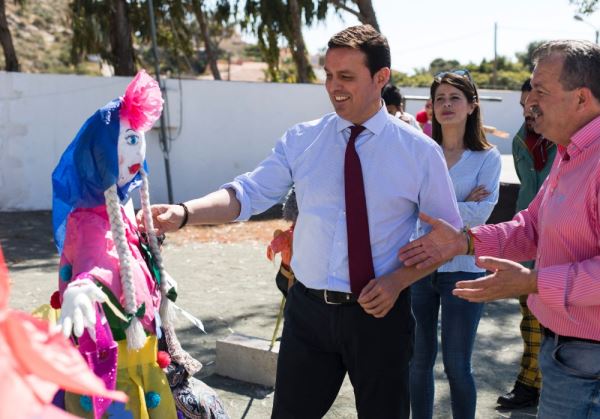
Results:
[375, 124]
[584, 137]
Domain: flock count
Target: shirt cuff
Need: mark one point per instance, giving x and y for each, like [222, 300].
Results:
[245, 208]
[484, 241]
[553, 286]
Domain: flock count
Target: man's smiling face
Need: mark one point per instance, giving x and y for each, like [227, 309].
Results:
[354, 93]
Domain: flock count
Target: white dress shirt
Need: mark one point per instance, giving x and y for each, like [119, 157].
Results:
[404, 171]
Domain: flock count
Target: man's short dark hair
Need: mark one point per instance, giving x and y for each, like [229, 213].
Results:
[526, 86]
[581, 66]
[391, 95]
[366, 39]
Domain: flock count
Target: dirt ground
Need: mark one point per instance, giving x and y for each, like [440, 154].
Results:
[225, 279]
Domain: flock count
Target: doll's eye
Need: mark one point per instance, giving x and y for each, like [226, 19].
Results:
[132, 139]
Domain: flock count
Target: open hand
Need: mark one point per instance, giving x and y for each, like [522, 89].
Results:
[442, 243]
[77, 311]
[508, 279]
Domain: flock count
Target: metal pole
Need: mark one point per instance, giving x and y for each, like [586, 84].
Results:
[163, 136]
[597, 32]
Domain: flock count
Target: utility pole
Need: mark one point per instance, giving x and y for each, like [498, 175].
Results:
[495, 71]
[164, 139]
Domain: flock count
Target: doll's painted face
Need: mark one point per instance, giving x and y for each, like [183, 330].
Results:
[131, 151]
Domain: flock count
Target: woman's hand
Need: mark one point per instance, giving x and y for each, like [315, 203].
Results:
[477, 194]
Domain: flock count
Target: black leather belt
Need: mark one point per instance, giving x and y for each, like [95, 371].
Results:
[550, 334]
[330, 297]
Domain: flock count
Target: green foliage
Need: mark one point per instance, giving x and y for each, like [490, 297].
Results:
[177, 32]
[525, 58]
[252, 51]
[271, 21]
[510, 75]
[585, 7]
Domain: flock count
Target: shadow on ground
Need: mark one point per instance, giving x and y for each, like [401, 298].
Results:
[231, 288]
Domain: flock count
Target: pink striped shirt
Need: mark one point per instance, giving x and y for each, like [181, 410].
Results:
[560, 230]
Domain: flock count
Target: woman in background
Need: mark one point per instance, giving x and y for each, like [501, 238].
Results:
[474, 166]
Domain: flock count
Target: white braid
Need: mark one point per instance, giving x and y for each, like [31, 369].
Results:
[167, 313]
[136, 338]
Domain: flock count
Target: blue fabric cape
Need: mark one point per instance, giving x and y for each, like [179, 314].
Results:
[88, 167]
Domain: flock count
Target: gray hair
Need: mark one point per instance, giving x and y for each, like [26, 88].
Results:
[581, 66]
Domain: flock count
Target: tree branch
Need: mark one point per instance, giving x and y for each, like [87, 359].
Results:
[340, 5]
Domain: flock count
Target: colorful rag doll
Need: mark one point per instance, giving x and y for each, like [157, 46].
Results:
[114, 293]
[35, 361]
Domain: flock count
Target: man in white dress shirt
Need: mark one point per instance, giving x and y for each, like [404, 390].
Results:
[330, 330]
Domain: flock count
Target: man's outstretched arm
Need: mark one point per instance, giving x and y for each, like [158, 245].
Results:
[217, 207]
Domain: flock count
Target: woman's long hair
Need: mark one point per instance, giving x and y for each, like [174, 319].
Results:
[474, 139]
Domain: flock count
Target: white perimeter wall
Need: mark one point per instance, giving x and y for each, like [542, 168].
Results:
[225, 128]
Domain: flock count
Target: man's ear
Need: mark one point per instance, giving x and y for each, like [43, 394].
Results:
[383, 76]
[585, 98]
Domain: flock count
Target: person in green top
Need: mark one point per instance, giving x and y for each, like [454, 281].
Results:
[533, 156]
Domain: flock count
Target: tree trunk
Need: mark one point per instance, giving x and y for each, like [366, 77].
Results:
[10, 56]
[211, 50]
[120, 39]
[368, 13]
[303, 67]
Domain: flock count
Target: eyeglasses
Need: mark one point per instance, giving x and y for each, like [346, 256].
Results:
[461, 72]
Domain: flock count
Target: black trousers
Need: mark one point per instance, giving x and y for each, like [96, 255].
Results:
[321, 342]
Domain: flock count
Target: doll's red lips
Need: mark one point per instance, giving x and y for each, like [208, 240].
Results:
[134, 168]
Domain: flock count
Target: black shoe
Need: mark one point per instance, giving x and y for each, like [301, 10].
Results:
[520, 396]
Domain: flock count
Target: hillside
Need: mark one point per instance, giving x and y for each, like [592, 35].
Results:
[42, 37]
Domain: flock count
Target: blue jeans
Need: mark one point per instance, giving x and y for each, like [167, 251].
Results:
[570, 380]
[460, 319]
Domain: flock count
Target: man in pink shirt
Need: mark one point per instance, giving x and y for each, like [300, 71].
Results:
[560, 229]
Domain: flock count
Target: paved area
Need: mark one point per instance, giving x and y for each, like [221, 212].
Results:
[230, 287]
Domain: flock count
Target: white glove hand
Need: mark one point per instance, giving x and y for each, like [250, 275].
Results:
[77, 309]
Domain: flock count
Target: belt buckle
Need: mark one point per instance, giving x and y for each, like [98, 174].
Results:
[327, 301]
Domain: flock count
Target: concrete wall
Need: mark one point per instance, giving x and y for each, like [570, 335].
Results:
[220, 129]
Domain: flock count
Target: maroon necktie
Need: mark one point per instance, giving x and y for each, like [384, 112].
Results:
[360, 260]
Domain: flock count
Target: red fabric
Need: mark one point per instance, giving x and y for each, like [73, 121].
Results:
[281, 243]
[421, 116]
[538, 147]
[163, 359]
[360, 259]
[55, 301]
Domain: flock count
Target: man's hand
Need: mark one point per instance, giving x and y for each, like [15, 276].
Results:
[509, 279]
[77, 311]
[380, 295]
[164, 217]
[442, 243]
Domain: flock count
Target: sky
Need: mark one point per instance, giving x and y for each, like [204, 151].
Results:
[420, 31]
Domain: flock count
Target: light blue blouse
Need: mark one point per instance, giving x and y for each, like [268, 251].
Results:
[473, 169]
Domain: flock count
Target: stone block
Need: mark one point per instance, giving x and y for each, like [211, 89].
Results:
[247, 358]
